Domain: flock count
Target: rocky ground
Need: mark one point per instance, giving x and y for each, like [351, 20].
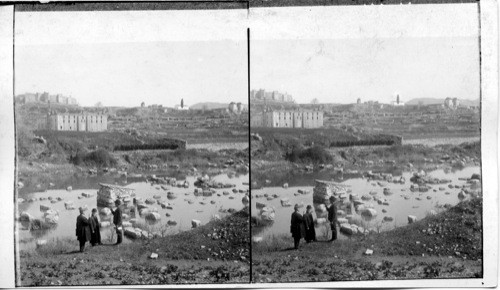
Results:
[217, 252]
[269, 164]
[443, 246]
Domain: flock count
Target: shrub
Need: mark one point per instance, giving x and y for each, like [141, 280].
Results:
[99, 158]
[315, 154]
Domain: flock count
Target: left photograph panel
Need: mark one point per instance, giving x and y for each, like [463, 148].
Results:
[132, 155]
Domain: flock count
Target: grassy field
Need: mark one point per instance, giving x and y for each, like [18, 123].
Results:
[217, 252]
[443, 246]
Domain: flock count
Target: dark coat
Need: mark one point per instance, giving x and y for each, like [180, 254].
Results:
[297, 226]
[309, 225]
[95, 230]
[82, 228]
[117, 216]
[332, 213]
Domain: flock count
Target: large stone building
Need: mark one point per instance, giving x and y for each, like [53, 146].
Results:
[45, 98]
[293, 119]
[77, 122]
[273, 96]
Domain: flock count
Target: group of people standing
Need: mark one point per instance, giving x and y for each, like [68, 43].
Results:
[302, 226]
[88, 229]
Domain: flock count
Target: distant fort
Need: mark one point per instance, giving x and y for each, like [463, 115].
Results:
[274, 96]
[45, 98]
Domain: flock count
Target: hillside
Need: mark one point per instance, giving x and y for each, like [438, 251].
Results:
[431, 101]
[208, 106]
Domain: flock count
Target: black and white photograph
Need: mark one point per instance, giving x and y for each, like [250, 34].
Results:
[249, 144]
[366, 149]
[132, 147]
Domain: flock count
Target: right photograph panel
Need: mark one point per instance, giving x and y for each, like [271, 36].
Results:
[365, 143]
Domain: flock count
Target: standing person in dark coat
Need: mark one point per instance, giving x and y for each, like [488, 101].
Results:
[117, 220]
[309, 225]
[332, 218]
[82, 229]
[297, 227]
[95, 229]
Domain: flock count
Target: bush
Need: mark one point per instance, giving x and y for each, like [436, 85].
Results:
[99, 158]
[314, 154]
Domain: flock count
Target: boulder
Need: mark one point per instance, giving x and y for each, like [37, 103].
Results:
[285, 185]
[369, 212]
[267, 214]
[245, 200]
[171, 222]
[25, 216]
[285, 202]
[171, 195]
[475, 176]
[86, 194]
[44, 207]
[259, 205]
[52, 219]
[366, 197]
[153, 216]
[388, 219]
[347, 229]
[69, 205]
[132, 233]
[69, 188]
[412, 219]
[105, 211]
[195, 223]
[150, 201]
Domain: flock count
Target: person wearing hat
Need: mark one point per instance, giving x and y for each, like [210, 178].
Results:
[117, 220]
[332, 217]
[82, 229]
[297, 226]
[95, 229]
[309, 225]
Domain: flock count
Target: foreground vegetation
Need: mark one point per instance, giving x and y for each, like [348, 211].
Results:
[217, 252]
[442, 246]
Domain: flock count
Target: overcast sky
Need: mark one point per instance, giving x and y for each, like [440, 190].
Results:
[335, 54]
[342, 70]
[124, 58]
[373, 52]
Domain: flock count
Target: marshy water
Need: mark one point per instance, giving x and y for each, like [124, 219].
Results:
[399, 204]
[185, 207]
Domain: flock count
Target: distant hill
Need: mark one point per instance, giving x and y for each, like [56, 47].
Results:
[431, 101]
[208, 106]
